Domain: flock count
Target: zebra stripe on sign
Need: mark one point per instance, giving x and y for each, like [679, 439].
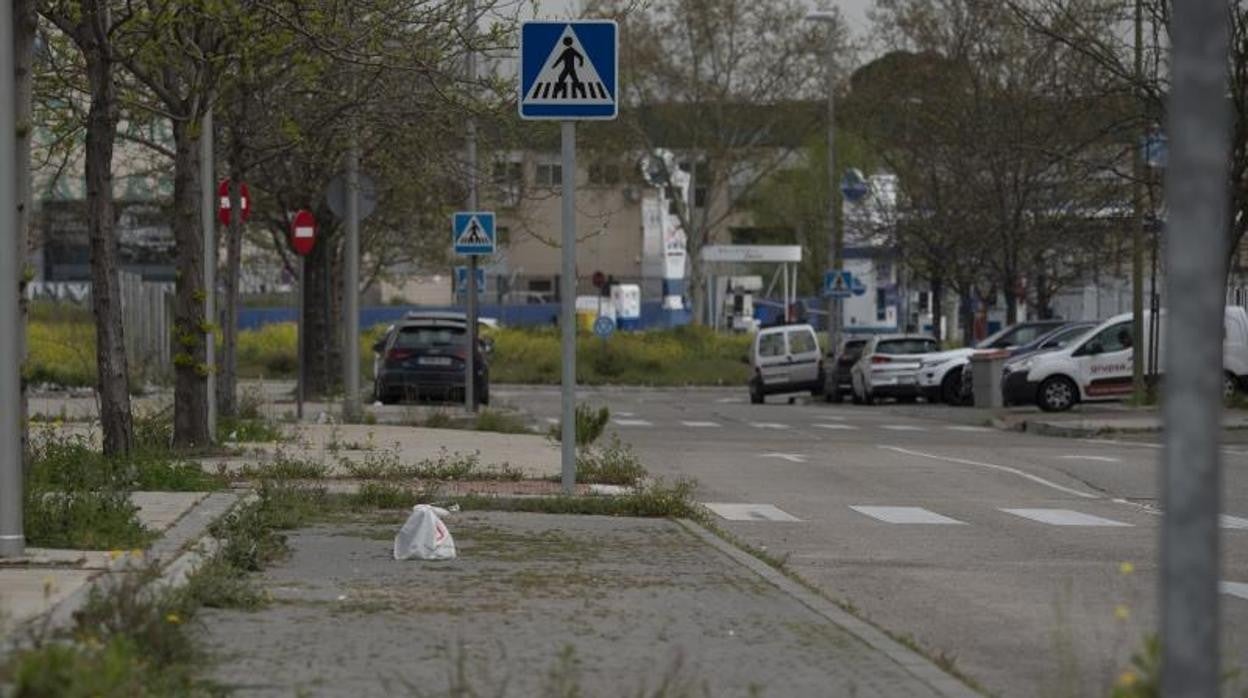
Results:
[749, 512]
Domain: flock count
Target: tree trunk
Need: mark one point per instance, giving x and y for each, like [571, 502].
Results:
[937, 299]
[1011, 298]
[967, 313]
[190, 397]
[694, 287]
[227, 380]
[322, 338]
[111, 365]
[25, 22]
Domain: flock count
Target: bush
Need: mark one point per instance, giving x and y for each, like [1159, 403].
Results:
[61, 352]
[590, 423]
[269, 351]
[614, 464]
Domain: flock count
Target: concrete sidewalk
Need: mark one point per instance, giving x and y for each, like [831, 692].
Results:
[45, 578]
[547, 605]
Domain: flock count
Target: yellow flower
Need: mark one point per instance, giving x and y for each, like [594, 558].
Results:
[115, 554]
[49, 585]
[136, 554]
[1126, 679]
[1126, 568]
[173, 618]
[1121, 612]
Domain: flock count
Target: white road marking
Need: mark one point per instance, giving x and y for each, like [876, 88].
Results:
[750, 512]
[902, 427]
[768, 425]
[626, 414]
[834, 419]
[730, 400]
[1234, 522]
[905, 515]
[552, 420]
[1234, 589]
[1002, 468]
[1101, 459]
[701, 425]
[632, 423]
[843, 427]
[790, 457]
[1064, 517]
[967, 428]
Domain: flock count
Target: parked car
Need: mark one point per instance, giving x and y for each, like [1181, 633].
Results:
[837, 379]
[940, 378]
[1099, 366]
[484, 326]
[785, 359]
[889, 367]
[425, 356]
[1054, 339]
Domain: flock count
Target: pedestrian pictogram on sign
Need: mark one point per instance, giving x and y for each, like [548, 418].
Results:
[838, 283]
[473, 233]
[568, 70]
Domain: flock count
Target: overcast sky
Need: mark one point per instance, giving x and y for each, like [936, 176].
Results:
[855, 11]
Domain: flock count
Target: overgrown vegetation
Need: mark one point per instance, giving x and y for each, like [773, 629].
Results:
[590, 423]
[613, 464]
[446, 466]
[656, 499]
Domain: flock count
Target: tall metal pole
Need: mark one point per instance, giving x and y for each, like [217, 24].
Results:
[301, 370]
[12, 539]
[351, 288]
[470, 147]
[1137, 222]
[836, 235]
[208, 221]
[567, 295]
[1196, 187]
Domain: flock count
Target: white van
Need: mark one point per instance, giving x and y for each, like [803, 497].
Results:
[1099, 366]
[785, 359]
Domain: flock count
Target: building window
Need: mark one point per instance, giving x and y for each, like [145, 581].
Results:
[881, 307]
[549, 175]
[508, 173]
[603, 174]
[923, 301]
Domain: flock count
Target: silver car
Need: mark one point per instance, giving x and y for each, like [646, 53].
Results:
[889, 367]
[785, 359]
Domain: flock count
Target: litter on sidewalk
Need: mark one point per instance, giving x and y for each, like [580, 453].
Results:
[424, 536]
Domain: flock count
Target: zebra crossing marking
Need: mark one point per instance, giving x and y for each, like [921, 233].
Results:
[749, 512]
[701, 425]
[906, 515]
[632, 423]
[1064, 517]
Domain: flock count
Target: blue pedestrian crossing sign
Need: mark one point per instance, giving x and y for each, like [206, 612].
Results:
[473, 233]
[838, 283]
[569, 70]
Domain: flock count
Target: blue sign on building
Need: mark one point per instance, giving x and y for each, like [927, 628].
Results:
[569, 70]
[473, 232]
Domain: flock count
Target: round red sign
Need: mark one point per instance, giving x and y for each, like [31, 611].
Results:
[303, 233]
[223, 201]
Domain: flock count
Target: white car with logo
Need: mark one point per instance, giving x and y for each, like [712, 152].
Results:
[940, 376]
[888, 367]
[1100, 366]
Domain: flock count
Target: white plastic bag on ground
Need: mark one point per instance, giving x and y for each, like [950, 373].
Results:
[424, 536]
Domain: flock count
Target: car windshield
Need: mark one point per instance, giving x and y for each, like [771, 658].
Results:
[1015, 336]
[422, 337]
[906, 346]
[1057, 340]
[853, 348]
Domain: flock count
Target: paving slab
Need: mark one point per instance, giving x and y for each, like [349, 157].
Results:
[535, 604]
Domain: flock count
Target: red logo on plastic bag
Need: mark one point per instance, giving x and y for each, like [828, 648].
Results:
[439, 532]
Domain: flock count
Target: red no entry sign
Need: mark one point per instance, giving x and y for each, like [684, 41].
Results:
[303, 232]
[223, 201]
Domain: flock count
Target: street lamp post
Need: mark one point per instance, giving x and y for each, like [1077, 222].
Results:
[836, 238]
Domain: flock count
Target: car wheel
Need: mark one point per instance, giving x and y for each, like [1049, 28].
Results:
[951, 387]
[868, 398]
[834, 395]
[1230, 385]
[756, 393]
[1057, 394]
[483, 395]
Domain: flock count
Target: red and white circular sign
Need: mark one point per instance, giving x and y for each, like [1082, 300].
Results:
[223, 201]
[303, 233]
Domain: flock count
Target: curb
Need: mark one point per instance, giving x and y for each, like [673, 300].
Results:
[177, 552]
[917, 665]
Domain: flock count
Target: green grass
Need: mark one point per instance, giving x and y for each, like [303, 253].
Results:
[501, 422]
[612, 464]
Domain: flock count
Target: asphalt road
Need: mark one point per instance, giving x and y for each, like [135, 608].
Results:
[1004, 551]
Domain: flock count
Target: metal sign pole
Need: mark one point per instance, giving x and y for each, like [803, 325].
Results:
[470, 146]
[568, 299]
[1196, 186]
[351, 289]
[208, 220]
[301, 372]
[12, 539]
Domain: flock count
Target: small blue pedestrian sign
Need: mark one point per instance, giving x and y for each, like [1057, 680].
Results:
[461, 280]
[838, 283]
[569, 70]
[473, 233]
[604, 326]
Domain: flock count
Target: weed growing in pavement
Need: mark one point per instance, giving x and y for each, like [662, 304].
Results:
[501, 422]
[590, 424]
[248, 430]
[613, 464]
[439, 419]
[385, 465]
[283, 466]
[386, 495]
[655, 500]
[82, 519]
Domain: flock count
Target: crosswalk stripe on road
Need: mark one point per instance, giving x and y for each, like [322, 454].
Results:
[701, 425]
[1064, 517]
[632, 423]
[905, 515]
[840, 427]
[749, 512]
[769, 425]
[970, 429]
[902, 427]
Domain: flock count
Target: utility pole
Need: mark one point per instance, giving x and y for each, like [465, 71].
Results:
[1137, 222]
[470, 147]
[12, 538]
[351, 288]
[567, 320]
[1197, 192]
[208, 221]
[836, 235]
